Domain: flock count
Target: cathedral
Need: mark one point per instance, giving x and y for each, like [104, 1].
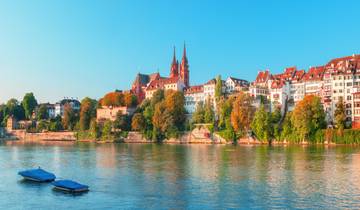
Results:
[146, 84]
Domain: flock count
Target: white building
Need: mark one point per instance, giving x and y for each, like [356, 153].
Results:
[165, 84]
[59, 107]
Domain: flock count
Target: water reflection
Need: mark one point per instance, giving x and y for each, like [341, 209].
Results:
[185, 176]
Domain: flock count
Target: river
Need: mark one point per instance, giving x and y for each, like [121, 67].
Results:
[150, 176]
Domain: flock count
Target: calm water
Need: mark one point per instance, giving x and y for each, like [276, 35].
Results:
[137, 176]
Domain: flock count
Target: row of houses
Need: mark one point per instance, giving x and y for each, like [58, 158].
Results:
[338, 79]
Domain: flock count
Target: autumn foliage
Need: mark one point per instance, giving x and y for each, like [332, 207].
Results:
[119, 99]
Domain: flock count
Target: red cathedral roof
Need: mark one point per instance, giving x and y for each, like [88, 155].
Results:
[160, 83]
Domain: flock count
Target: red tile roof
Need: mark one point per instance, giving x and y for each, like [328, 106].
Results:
[194, 89]
[160, 83]
[278, 83]
[314, 74]
[298, 75]
[262, 76]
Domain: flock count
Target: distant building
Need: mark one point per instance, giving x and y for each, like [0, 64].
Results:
[50, 109]
[145, 85]
[59, 107]
[109, 112]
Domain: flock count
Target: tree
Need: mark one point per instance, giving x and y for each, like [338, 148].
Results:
[242, 112]
[287, 127]
[218, 88]
[29, 104]
[94, 129]
[2, 114]
[55, 124]
[13, 108]
[198, 115]
[130, 100]
[308, 117]
[224, 112]
[87, 112]
[138, 122]
[106, 130]
[261, 124]
[69, 119]
[162, 119]
[339, 115]
[122, 122]
[113, 99]
[175, 105]
[157, 97]
[42, 113]
[209, 115]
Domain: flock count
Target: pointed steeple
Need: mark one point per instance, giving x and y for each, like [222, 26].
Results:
[174, 58]
[174, 69]
[184, 68]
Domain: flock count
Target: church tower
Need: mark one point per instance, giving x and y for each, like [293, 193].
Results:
[184, 69]
[174, 69]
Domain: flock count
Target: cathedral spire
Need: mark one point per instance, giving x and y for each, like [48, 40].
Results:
[174, 69]
[184, 54]
[174, 58]
[184, 68]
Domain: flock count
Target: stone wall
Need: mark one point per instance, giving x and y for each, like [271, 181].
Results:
[197, 136]
[46, 136]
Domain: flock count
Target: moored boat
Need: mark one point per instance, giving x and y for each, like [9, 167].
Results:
[70, 186]
[37, 175]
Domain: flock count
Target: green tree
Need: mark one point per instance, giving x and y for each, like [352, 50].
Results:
[42, 113]
[340, 116]
[29, 104]
[13, 108]
[175, 106]
[224, 112]
[308, 117]
[209, 114]
[2, 114]
[94, 129]
[287, 127]
[106, 130]
[157, 97]
[87, 112]
[261, 124]
[198, 115]
[55, 124]
[218, 88]
[122, 122]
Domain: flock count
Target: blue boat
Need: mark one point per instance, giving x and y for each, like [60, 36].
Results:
[70, 186]
[37, 175]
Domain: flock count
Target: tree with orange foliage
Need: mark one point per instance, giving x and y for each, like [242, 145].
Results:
[113, 99]
[130, 100]
[242, 113]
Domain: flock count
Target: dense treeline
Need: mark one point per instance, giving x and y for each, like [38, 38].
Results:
[163, 116]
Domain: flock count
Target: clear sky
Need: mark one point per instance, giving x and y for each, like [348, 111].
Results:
[83, 48]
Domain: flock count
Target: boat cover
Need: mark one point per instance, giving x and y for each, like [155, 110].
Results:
[71, 185]
[38, 174]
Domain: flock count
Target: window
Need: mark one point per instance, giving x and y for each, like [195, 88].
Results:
[349, 84]
[348, 98]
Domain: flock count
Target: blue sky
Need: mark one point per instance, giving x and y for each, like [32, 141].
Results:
[84, 48]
